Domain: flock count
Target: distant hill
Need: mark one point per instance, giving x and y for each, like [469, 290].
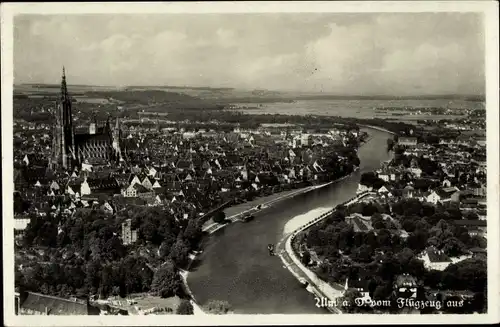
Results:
[201, 88]
[390, 97]
[222, 94]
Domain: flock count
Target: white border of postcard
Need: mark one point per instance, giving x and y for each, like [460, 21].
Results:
[488, 8]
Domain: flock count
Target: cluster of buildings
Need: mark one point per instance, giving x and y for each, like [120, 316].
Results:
[459, 179]
[109, 166]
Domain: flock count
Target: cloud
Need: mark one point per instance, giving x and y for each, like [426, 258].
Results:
[340, 53]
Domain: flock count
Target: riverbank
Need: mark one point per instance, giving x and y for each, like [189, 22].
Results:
[233, 213]
[236, 267]
[250, 207]
[315, 285]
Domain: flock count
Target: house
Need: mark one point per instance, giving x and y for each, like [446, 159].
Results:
[405, 286]
[137, 190]
[446, 183]
[384, 176]
[383, 190]
[21, 222]
[474, 227]
[147, 183]
[359, 223]
[30, 303]
[450, 194]
[129, 235]
[408, 191]
[408, 141]
[435, 259]
[360, 285]
[416, 171]
[363, 188]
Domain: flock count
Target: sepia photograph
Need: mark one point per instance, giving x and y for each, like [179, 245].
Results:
[250, 163]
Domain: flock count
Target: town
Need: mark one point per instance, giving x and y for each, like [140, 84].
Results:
[288, 164]
[115, 200]
[418, 224]
[132, 196]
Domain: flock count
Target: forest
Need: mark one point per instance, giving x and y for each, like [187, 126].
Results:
[83, 254]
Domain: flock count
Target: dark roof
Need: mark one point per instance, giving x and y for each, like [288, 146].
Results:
[56, 305]
[466, 222]
[102, 183]
[437, 256]
[81, 139]
[477, 250]
[446, 193]
[141, 189]
[405, 280]
[183, 164]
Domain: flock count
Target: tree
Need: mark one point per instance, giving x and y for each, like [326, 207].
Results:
[219, 217]
[306, 258]
[417, 241]
[362, 254]
[167, 281]
[185, 308]
[218, 307]
[382, 292]
[471, 215]
[416, 267]
[453, 247]
[390, 144]
[193, 232]
[179, 253]
[433, 278]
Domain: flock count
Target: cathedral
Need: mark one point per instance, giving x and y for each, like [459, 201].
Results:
[99, 146]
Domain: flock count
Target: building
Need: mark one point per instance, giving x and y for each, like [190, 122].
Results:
[359, 223]
[69, 150]
[20, 223]
[474, 227]
[405, 286]
[305, 139]
[30, 303]
[129, 236]
[442, 195]
[360, 285]
[408, 141]
[435, 259]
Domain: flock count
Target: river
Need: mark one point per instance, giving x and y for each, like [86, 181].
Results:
[236, 267]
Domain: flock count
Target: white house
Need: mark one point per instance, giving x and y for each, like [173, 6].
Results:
[435, 259]
[383, 176]
[20, 223]
[363, 188]
[416, 171]
[85, 188]
[383, 189]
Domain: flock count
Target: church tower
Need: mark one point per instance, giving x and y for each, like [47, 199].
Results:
[63, 147]
[116, 137]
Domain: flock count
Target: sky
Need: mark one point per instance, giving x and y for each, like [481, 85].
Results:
[357, 53]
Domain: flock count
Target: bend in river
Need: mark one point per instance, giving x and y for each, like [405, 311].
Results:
[236, 267]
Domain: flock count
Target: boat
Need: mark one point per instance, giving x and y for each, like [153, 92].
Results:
[270, 248]
[247, 218]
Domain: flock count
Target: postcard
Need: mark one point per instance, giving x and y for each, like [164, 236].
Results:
[250, 163]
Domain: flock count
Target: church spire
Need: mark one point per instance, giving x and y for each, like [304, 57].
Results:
[64, 87]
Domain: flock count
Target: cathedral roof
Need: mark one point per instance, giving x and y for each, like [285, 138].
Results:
[81, 139]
